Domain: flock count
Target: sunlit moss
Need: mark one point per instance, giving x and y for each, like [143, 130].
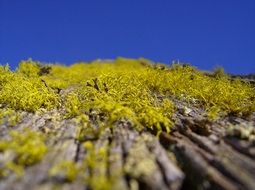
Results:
[29, 68]
[23, 90]
[123, 96]
[100, 94]
[136, 90]
[72, 105]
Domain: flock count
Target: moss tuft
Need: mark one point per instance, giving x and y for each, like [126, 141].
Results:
[135, 90]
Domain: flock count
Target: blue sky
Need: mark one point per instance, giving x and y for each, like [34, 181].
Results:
[204, 33]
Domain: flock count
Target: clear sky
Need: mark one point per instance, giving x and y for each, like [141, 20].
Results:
[204, 33]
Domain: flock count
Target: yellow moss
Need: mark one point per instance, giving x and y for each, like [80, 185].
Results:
[96, 162]
[9, 116]
[98, 95]
[66, 169]
[123, 94]
[72, 105]
[88, 145]
[13, 167]
[24, 148]
[84, 129]
[29, 68]
[136, 90]
[25, 92]
[213, 112]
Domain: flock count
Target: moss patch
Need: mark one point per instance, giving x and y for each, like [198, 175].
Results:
[20, 150]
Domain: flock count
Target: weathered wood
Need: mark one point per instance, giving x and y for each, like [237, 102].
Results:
[197, 154]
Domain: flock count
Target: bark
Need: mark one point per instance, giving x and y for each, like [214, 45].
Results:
[196, 154]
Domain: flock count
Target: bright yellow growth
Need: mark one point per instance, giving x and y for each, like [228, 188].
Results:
[25, 91]
[101, 95]
[134, 90]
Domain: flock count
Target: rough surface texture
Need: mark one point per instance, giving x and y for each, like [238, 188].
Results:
[137, 127]
[197, 154]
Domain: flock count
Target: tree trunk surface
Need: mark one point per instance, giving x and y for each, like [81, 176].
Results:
[196, 154]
